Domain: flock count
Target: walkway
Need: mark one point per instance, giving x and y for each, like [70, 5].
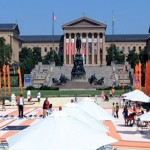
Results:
[128, 137]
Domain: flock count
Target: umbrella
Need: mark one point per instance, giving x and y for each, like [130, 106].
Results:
[59, 131]
[95, 110]
[75, 111]
[145, 117]
[137, 95]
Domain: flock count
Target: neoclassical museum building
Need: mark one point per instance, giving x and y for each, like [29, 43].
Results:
[94, 41]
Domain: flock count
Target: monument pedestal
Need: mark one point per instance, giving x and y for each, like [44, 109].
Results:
[78, 71]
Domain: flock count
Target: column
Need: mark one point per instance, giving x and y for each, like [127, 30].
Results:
[87, 50]
[104, 51]
[69, 49]
[93, 49]
[65, 49]
[98, 47]
[75, 37]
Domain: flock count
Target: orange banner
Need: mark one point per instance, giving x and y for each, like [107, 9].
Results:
[0, 82]
[20, 80]
[4, 78]
[147, 79]
[8, 79]
[138, 77]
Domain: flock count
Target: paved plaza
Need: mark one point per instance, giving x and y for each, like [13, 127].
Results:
[128, 137]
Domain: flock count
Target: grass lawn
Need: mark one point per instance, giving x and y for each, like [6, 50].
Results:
[65, 93]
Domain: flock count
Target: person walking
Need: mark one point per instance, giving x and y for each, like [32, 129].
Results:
[39, 96]
[110, 93]
[113, 109]
[3, 104]
[125, 114]
[45, 107]
[50, 108]
[117, 110]
[29, 95]
[20, 106]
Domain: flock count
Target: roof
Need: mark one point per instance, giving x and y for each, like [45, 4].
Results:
[9, 27]
[84, 22]
[127, 38]
[40, 38]
[109, 38]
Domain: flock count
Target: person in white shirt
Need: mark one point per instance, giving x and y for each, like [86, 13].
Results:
[39, 96]
[28, 95]
[20, 106]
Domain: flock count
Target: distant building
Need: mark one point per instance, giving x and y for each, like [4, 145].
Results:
[94, 41]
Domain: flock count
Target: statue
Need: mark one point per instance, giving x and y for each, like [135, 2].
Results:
[78, 44]
[78, 71]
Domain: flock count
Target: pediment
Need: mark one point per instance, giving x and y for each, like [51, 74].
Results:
[84, 22]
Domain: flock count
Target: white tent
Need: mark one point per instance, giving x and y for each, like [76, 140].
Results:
[145, 117]
[137, 95]
[95, 111]
[87, 99]
[59, 132]
[75, 111]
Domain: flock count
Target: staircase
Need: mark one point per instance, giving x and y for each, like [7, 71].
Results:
[77, 84]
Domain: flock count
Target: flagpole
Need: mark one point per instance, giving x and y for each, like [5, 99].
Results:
[53, 29]
[113, 24]
[53, 33]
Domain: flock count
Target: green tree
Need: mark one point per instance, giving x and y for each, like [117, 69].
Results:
[143, 56]
[132, 58]
[37, 55]
[47, 59]
[114, 55]
[27, 60]
[50, 57]
[5, 52]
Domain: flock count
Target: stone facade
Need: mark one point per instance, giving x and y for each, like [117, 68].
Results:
[94, 41]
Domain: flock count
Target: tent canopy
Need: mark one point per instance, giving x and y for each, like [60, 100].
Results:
[137, 95]
[59, 131]
[95, 110]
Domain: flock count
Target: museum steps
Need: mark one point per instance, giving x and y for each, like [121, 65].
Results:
[77, 84]
[43, 74]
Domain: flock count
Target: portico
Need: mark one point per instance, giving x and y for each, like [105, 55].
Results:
[92, 34]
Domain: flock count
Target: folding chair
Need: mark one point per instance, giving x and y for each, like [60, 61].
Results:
[4, 145]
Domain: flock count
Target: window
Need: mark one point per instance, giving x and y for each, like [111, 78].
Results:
[50, 48]
[129, 48]
[45, 49]
[123, 48]
[134, 48]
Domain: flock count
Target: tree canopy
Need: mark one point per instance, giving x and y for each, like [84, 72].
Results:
[5, 51]
[114, 55]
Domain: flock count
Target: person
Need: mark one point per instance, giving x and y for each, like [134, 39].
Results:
[110, 93]
[20, 106]
[29, 95]
[39, 96]
[50, 108]
[125, 114]
[13, 99]
[113, 90]
[103, 95]
[141, 110]
[72, 101]
[45, 107]
[117, 110]
[113, 109]
[134, 107]
[3, 104]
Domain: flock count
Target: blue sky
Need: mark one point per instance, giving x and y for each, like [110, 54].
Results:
[35, 16]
